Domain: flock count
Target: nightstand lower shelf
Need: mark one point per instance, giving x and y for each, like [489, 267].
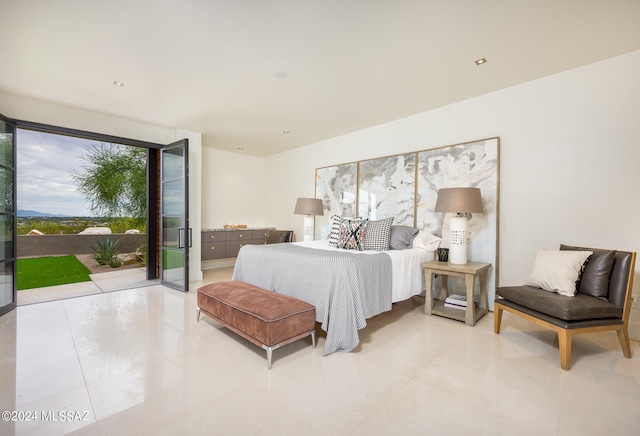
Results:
[439, 309]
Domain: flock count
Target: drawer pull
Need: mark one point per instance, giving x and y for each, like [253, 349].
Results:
[241, 235]
[213, 247]
[213, 236]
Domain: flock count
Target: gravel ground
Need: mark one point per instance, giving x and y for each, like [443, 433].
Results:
[95, 267]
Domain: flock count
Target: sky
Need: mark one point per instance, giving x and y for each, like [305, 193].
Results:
[44, 162]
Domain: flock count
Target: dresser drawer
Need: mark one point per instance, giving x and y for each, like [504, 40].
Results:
[238, 235]
[259, 236]
[233, 247]
[213, 250]
[213, 236]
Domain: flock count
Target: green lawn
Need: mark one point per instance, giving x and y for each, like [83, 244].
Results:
[39, 272]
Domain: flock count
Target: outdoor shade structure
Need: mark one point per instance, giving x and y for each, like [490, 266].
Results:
[462, 202]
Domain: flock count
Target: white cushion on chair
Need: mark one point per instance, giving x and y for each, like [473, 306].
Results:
[557, 271]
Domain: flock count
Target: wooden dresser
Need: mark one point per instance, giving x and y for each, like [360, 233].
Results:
[225, 243]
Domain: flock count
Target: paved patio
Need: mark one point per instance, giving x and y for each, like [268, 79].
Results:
[100, 283]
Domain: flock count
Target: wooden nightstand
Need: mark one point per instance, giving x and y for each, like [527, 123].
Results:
[469, 272]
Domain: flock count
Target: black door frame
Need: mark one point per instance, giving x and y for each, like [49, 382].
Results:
[153, 269]
[12, 259]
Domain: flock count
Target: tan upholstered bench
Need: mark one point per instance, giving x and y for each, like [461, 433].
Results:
[267, 319]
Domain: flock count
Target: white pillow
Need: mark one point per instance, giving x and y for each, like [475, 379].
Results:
[426, 241]
[557, 271]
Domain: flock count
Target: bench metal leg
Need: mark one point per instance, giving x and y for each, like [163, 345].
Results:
[198, 314]
[275, 347]
[270, 353]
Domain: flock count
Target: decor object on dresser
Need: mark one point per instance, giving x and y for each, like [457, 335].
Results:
[462, 202]
[597, 300]
[309, 207]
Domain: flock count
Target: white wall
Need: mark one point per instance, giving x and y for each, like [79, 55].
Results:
[38, 111]
[569, 161]
[232, 189]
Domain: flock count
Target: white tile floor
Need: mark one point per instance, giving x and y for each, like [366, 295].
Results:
[137, 363]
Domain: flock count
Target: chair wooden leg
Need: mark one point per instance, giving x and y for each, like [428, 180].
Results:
[564, 342]
[497, 319]
[623, 336]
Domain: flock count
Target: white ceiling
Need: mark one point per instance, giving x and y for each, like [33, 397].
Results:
[243, 71]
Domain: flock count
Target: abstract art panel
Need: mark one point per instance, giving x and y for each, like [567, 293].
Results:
[473, 164]
[336, 186]
[386, 188]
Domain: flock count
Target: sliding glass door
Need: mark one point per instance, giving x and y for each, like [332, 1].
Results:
[8, 235]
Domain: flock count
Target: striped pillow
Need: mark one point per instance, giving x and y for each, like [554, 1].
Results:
[335, 230]
[378, 235]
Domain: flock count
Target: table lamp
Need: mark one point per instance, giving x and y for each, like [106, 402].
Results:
[309, 207]
[463, 202]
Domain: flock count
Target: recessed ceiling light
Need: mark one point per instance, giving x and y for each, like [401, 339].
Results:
[481, 61]
[286, 132]
[117, 83]
[281, 75]
[240, 148]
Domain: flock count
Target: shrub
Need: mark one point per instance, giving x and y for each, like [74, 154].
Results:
[105, 252]
[141, 254]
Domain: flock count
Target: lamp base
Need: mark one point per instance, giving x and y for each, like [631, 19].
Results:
[308, 229]
[458, 240]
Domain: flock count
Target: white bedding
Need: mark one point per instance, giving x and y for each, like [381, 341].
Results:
[407, 279]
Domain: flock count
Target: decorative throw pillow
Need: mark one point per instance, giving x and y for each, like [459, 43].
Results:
[402, 237]
[595, 278]
[335, 229]
[378, 234]
[557, 271]
[352, 234]
[426, 241]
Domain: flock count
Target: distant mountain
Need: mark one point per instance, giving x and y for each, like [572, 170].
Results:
[33, 213]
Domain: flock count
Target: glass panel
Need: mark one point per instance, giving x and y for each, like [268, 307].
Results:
[6, 144]
[170, 231]
[6, 237]
[173, 198]
[7, 216]
[173, 266]
[6, 283]
[172, 163]
[6, 190]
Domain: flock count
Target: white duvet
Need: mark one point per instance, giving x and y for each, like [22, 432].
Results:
[407, 279]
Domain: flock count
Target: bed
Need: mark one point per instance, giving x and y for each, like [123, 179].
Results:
[346, 286]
